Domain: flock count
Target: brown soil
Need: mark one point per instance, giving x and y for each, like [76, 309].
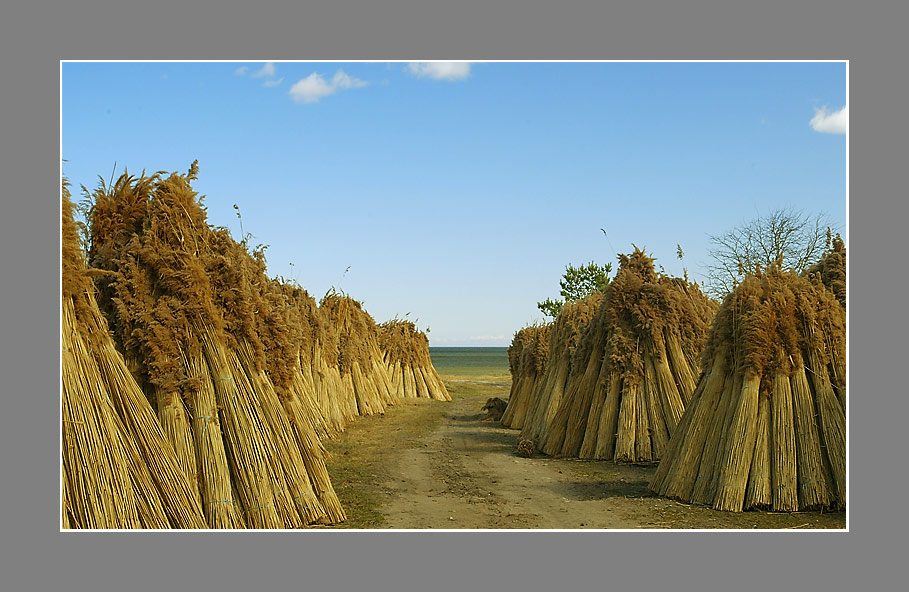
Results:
[459, 472]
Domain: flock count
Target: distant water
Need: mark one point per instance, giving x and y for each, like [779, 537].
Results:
[470, 360]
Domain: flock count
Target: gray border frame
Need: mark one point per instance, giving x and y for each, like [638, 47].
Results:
[35, 36]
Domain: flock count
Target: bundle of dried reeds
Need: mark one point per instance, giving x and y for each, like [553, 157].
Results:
[547, 394]
[269, 339]
[183, 304]
[527, 357]
[119, 471]
[632, 373]
[405, 352]
[766, 427]
[831, 269]
[363, 372]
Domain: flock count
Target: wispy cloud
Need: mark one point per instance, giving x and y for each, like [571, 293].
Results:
[271, 83]
[830, 122]
[440, 70]
[314, 87]
[241, 71]
[487, 338]
[267, 70]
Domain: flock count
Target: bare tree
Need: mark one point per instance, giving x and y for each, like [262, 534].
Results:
[786, 236]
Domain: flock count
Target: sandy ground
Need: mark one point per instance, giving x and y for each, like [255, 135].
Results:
[464, 474]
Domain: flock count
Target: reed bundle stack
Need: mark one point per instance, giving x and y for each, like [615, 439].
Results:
[119, 471]
[831, 269]
[564, 334]
[405, 352]
[365, 386]
[766, 427]
[183, 303]
[269, 327]
[321, 350]
[634, 370]
[527, 357]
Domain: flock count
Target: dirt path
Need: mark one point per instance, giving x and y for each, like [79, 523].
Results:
[462, 473]
[466, 476]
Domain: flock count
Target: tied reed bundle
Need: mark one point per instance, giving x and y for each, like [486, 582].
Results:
[119, 471]
[364, 377]
[564, 335]
[406, 353]
[766, 425]
[527, 357]
[631, 375]
[183, 301]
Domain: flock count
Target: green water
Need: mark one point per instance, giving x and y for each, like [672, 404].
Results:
[470, 360]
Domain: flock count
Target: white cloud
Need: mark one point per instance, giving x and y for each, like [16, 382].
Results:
[440, 70]
[267, 70]
[835, 122]
[241, 70]
[314, 87]
[487, 338]
[271, 83]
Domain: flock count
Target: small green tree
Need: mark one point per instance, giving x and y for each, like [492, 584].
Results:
[577, 283]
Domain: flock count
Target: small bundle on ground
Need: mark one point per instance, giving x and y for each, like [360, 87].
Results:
[635, 368]
[366, 386]
[766, 427]
[493, 409]
[527, 357]
[118, 469]
[183, 300]
[564, 335]
[405, 351]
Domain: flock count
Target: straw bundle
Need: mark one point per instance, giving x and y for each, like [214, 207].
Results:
[766, 427]
[564, 334]
[183, 304]
[364, 375]
[633, 371]
[118, 469]
[274, 367]
[406, 353]
[527, 357]
[831, 269]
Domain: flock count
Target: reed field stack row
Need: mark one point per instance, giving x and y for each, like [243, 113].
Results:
[183, 300]
[405, 352]
[634, 369]
[119, 471]
[564, 335]
[527, 358]
[766, 427]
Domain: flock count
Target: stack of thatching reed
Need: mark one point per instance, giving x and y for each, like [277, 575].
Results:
[766, 427]
[365, 383]
[831, 269]
[182, 302]
[527, 357]
[118, 469]
[564, 335]
[275, 330]
[406, 354]
[634, 369]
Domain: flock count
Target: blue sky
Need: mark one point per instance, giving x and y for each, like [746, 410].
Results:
[457, 193]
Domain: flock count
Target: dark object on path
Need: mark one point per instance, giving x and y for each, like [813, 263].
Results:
[494, 409]
[525, 448]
